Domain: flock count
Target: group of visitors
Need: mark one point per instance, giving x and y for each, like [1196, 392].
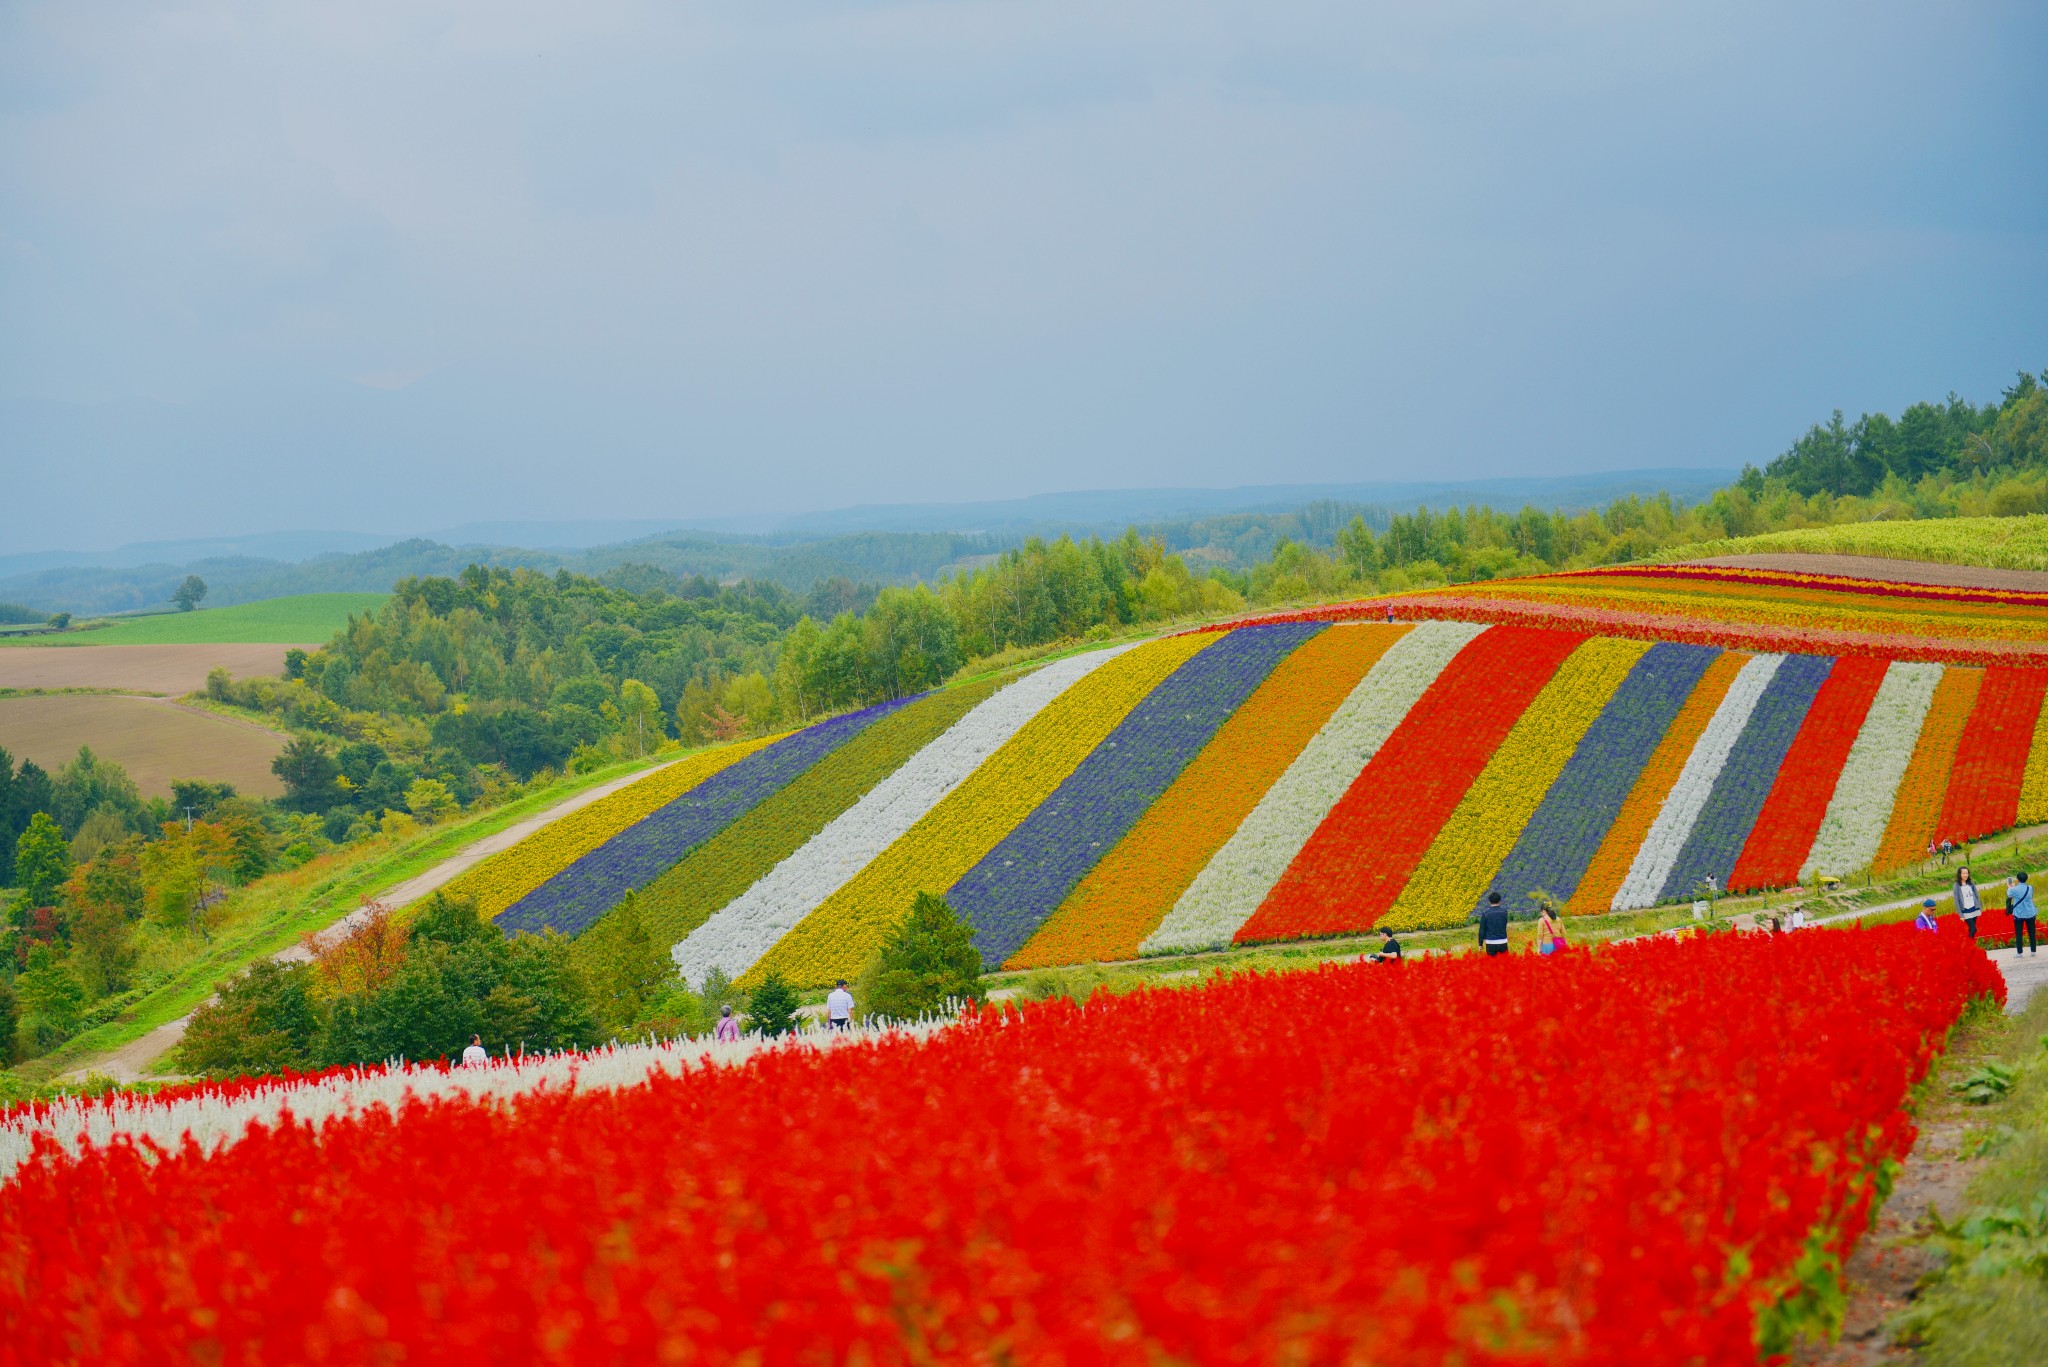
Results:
[1969, 904]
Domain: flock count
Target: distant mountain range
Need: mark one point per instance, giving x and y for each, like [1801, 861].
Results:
[878, 544]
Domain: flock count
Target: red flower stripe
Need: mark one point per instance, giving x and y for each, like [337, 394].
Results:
[1783, 834]
[1880, 588]
[1141, 1181]
[1796, 640]
[1363, 854]
[1991, 761]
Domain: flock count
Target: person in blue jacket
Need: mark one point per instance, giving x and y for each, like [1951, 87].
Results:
[1493, 926]
[2019, 900]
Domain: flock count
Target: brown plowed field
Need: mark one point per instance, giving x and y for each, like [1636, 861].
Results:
[154, 741]
[1887, 570]
[143, 669]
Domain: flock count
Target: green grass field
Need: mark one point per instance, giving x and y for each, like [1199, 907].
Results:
[304, 619]
[2006, 543]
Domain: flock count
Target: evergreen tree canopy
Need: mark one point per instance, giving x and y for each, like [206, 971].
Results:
[926, 962]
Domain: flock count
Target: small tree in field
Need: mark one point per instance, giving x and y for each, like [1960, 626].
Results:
[926, 961]
[189, 593]
[771, 1008]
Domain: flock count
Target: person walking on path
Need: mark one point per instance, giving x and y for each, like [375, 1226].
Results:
[839, 1008]
[1968, 903]
[2019, 901]
[728, 1031]
[1549, 933]
[474, 1056]
[1493, 926]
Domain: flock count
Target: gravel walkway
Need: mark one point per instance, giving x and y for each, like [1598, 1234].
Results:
[1886, 569]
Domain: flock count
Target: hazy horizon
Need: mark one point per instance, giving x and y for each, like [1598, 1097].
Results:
[434, 264]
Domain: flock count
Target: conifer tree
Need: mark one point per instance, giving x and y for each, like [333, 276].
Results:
[771, 1008]
[928, 960]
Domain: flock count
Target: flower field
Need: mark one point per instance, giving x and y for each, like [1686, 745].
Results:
[1612, 738]
[1403, 1166]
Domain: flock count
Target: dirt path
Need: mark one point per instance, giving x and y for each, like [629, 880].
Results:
[132, 1061]
[1886, 569]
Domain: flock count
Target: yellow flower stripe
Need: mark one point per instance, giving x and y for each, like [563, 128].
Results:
[1470, 847]
[2034, 787]
[504, 878]
[1124, 898]
[838, 938]
[1617, 853]
[1921, 791]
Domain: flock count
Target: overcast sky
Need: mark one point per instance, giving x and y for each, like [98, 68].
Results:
[393, 266]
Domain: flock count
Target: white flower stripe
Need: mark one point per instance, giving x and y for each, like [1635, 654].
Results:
[1683, 804]
[1231, 886]
[746, 928]
[1861, 807]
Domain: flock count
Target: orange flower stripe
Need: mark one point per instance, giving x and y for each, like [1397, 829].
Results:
[1917, 813]
[1127, 895]
[1991, 760]
[1605, 875]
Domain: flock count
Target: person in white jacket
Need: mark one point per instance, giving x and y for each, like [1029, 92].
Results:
[839, 1007]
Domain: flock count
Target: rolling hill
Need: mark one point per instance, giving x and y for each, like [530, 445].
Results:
[1609, 739]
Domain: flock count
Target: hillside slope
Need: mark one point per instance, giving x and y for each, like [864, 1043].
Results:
[1611, 739]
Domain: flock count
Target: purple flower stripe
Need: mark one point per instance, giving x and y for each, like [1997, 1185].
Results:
[1008, 895]
[573, 899]
[1564, 835]
[1738, 796]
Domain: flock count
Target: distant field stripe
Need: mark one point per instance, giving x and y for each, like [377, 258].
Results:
[1991, 761]
[1228, 890]
[1458, 871]
[1654, 862]
[1360, 858]
[728, 864]
[1124, 897]
[1785, 829]
[572, 900]
[740, 932]
[1864, 795]
[503, 879]
[2034, 787]
[1925, 784]
[1016, 885]
[1561, 839]
[1744, 783]
[1609, 866]
[844, 932]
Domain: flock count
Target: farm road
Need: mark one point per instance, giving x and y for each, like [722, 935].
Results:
[131, 1061]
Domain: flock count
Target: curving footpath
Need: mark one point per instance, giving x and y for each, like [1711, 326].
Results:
[131, 1062]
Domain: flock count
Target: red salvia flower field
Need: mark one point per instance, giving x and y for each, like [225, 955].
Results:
[1599, 1158]
[1792, 814]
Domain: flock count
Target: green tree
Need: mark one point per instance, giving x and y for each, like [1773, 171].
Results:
[51, 999]
[430, 801]
[640, 716]
[927, 961]
[9, 1024]
[771, 1007]
[264, 1020]
[309, 774]
[624, 965]
[189, 593]
[89, 784]
[42, 861]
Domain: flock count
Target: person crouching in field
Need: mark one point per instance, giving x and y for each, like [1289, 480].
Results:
[1493, 926]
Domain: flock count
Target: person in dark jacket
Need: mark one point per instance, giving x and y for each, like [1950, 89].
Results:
[1493, 926]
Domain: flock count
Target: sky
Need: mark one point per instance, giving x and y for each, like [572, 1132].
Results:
[390, 266]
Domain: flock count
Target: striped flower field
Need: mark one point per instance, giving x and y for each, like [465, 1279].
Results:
[1613, 738]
